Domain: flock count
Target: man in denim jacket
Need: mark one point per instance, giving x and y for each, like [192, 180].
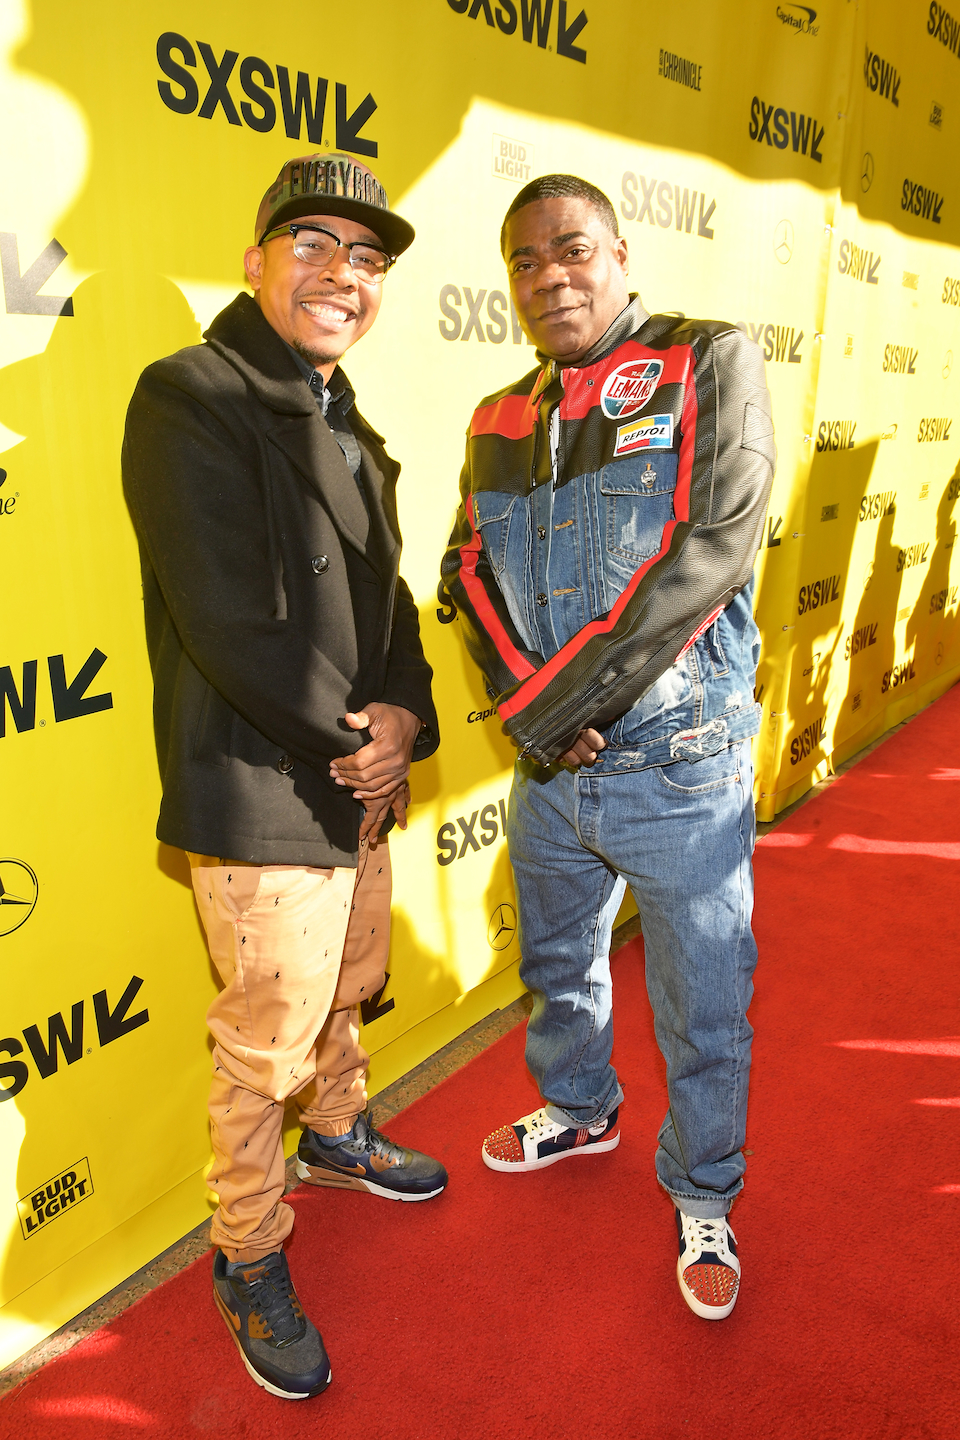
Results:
[602, 567]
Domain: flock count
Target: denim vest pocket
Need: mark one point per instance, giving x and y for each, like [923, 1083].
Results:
[494, 511]
[637, 495]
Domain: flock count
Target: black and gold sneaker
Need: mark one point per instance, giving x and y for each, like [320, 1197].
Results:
[280, 1347]
[366, 1160]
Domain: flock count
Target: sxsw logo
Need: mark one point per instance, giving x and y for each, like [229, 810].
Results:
[919, 200]
[811, 737]
[836, 434]
[456, 326]
[821, 592]
[935, 427]
[302, 101]
[70, 698]
[863, 636]
[943, 27]
[55, 1197]
[884, 502]
[899, 675]
[780, 342]
[950, 294]
[449, 843]
[535, 18]
[899, 360]
[943, 599]
[789, 128]
[111, 1025]
[913, 555]
[858, 264]
[673, 206]
[880, 77]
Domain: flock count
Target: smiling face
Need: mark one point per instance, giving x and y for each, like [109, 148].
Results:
[568, 275]
[320, 310]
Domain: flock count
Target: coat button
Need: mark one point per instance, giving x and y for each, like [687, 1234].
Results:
[320, 563]
[542, 531]
[284, 764]
[541, 599]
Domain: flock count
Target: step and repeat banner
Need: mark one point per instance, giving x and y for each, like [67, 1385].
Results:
[789, 168]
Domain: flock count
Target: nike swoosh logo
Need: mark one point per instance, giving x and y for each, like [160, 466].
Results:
[347, 1169]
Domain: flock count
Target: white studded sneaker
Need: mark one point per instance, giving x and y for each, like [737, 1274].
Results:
[708, 1268]
[535, 1141]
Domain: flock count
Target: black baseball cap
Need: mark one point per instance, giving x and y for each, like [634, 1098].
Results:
[332, 185]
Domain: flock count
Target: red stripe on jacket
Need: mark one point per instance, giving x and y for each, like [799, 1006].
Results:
[514, 417]
[480, 600]
[681, 509]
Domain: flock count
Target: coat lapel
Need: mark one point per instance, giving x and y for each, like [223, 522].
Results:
[250, 344]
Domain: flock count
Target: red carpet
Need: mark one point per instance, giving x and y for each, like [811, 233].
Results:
[546, 1306]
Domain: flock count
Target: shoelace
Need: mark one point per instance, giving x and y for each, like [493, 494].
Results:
[709, 1235]
[373, 1142]
[269, 1295]
[539, 1121]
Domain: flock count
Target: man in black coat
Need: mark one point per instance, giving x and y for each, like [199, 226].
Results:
[291, 694]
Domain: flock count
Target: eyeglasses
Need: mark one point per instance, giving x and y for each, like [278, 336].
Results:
[318, 247]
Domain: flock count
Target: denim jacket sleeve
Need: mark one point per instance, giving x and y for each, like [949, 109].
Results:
[726, 464]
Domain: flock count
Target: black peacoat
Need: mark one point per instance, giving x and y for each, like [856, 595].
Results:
[272, 597]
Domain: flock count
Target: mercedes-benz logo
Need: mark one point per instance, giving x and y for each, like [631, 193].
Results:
[868, 576]
[866, 171]
[940, 653]
[783, 242]
[502, 927]
[947, 364]
[18, 894]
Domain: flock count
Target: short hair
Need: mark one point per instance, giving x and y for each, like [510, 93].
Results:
[562, 187]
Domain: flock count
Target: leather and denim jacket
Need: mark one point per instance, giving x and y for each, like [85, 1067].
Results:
[602, 558]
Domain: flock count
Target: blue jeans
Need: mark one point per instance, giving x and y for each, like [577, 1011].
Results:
[681, 836]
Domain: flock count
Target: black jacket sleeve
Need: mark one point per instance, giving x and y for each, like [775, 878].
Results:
[193, 488]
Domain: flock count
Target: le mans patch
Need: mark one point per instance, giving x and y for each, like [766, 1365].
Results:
[628, 388]
[652, 432]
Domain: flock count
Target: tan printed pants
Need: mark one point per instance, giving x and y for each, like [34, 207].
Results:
[297, 949]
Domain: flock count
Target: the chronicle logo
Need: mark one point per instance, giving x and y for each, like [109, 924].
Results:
[789, 128]
[55, 1197]
[302, 101]
[684, 72]
[836, 434]
[535, 17]
[19, 888]
[919, 200]
[502, 927]
[821, 592]
[880, 77]
[800, 18]
[863, 636]
[673, 206]
[811, 737]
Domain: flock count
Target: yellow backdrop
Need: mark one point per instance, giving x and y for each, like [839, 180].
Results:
[788, 168]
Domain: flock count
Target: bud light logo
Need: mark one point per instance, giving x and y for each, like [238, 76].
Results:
[629, 387]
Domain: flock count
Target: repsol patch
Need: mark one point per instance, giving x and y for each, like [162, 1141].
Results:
[628, 388]
[652, 432]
